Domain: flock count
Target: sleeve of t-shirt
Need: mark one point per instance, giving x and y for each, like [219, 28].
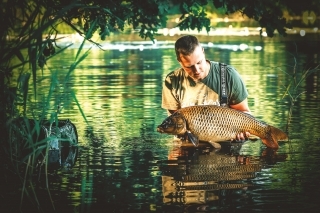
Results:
[169, 101]
[237, 89]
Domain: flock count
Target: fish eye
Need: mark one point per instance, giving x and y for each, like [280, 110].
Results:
[168, 123]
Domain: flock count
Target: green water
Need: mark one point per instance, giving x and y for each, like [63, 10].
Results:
[124, 165]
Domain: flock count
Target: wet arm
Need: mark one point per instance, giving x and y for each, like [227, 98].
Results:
[242, 106]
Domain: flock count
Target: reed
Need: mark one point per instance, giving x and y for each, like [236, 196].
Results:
[24, 151]
[294, 89]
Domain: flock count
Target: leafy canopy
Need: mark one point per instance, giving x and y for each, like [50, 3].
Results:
[105, 16]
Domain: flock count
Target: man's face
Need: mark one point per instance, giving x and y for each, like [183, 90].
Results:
[195, 64]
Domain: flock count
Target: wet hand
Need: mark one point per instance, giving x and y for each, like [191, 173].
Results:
[243, 136]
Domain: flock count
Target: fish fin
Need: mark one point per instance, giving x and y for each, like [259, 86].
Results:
[279, 134]
[193, 138]
[273, 136]
[269, 142]
[215, 144]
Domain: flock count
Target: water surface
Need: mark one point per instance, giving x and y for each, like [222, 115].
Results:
[124, 165]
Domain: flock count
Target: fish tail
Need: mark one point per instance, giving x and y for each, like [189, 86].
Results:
[274, 135]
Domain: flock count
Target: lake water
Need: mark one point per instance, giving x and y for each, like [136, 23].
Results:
[124, 165]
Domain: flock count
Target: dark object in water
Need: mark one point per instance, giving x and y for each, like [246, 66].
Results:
[61, 138]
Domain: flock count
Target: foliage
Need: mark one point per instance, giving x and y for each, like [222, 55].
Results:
[267, 13]
[24, 51]
[149, 15]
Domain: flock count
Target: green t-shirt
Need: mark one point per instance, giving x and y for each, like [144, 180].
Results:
[180, 90]
[236, 89]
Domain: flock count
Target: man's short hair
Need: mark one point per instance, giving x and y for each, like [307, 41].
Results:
[186, 45]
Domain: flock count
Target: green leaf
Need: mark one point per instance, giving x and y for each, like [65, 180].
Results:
[78, 104]
[19, 55]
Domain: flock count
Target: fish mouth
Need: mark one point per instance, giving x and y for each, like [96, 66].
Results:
[159, 129]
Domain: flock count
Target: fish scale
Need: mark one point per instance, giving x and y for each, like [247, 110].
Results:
[213, 123]
[216, 124]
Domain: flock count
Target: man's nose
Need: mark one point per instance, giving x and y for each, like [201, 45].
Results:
[196, 68]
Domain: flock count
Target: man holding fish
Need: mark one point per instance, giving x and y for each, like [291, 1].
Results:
[200, 82]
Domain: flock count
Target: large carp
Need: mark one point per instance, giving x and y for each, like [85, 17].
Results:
[216, 124]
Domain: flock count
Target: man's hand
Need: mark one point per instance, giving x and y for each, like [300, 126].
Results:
[242, 137]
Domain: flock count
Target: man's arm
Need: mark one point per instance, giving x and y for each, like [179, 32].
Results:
[242, 106]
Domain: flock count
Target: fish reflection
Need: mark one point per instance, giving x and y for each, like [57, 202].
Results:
[203, 174]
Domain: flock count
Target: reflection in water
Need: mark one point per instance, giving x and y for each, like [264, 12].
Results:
[202, 175]
[123, 163]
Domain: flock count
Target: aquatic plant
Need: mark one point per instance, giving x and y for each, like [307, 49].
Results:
[25, 148]
[293, 89]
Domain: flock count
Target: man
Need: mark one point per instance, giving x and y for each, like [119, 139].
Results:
[198, 81]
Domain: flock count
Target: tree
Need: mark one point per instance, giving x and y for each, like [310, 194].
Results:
[149, 15]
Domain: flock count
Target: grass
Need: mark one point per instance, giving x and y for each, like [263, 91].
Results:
[28, 146]
[294, 88]
[25, 146]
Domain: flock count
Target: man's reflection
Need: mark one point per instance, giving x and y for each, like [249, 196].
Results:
[197, 175]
